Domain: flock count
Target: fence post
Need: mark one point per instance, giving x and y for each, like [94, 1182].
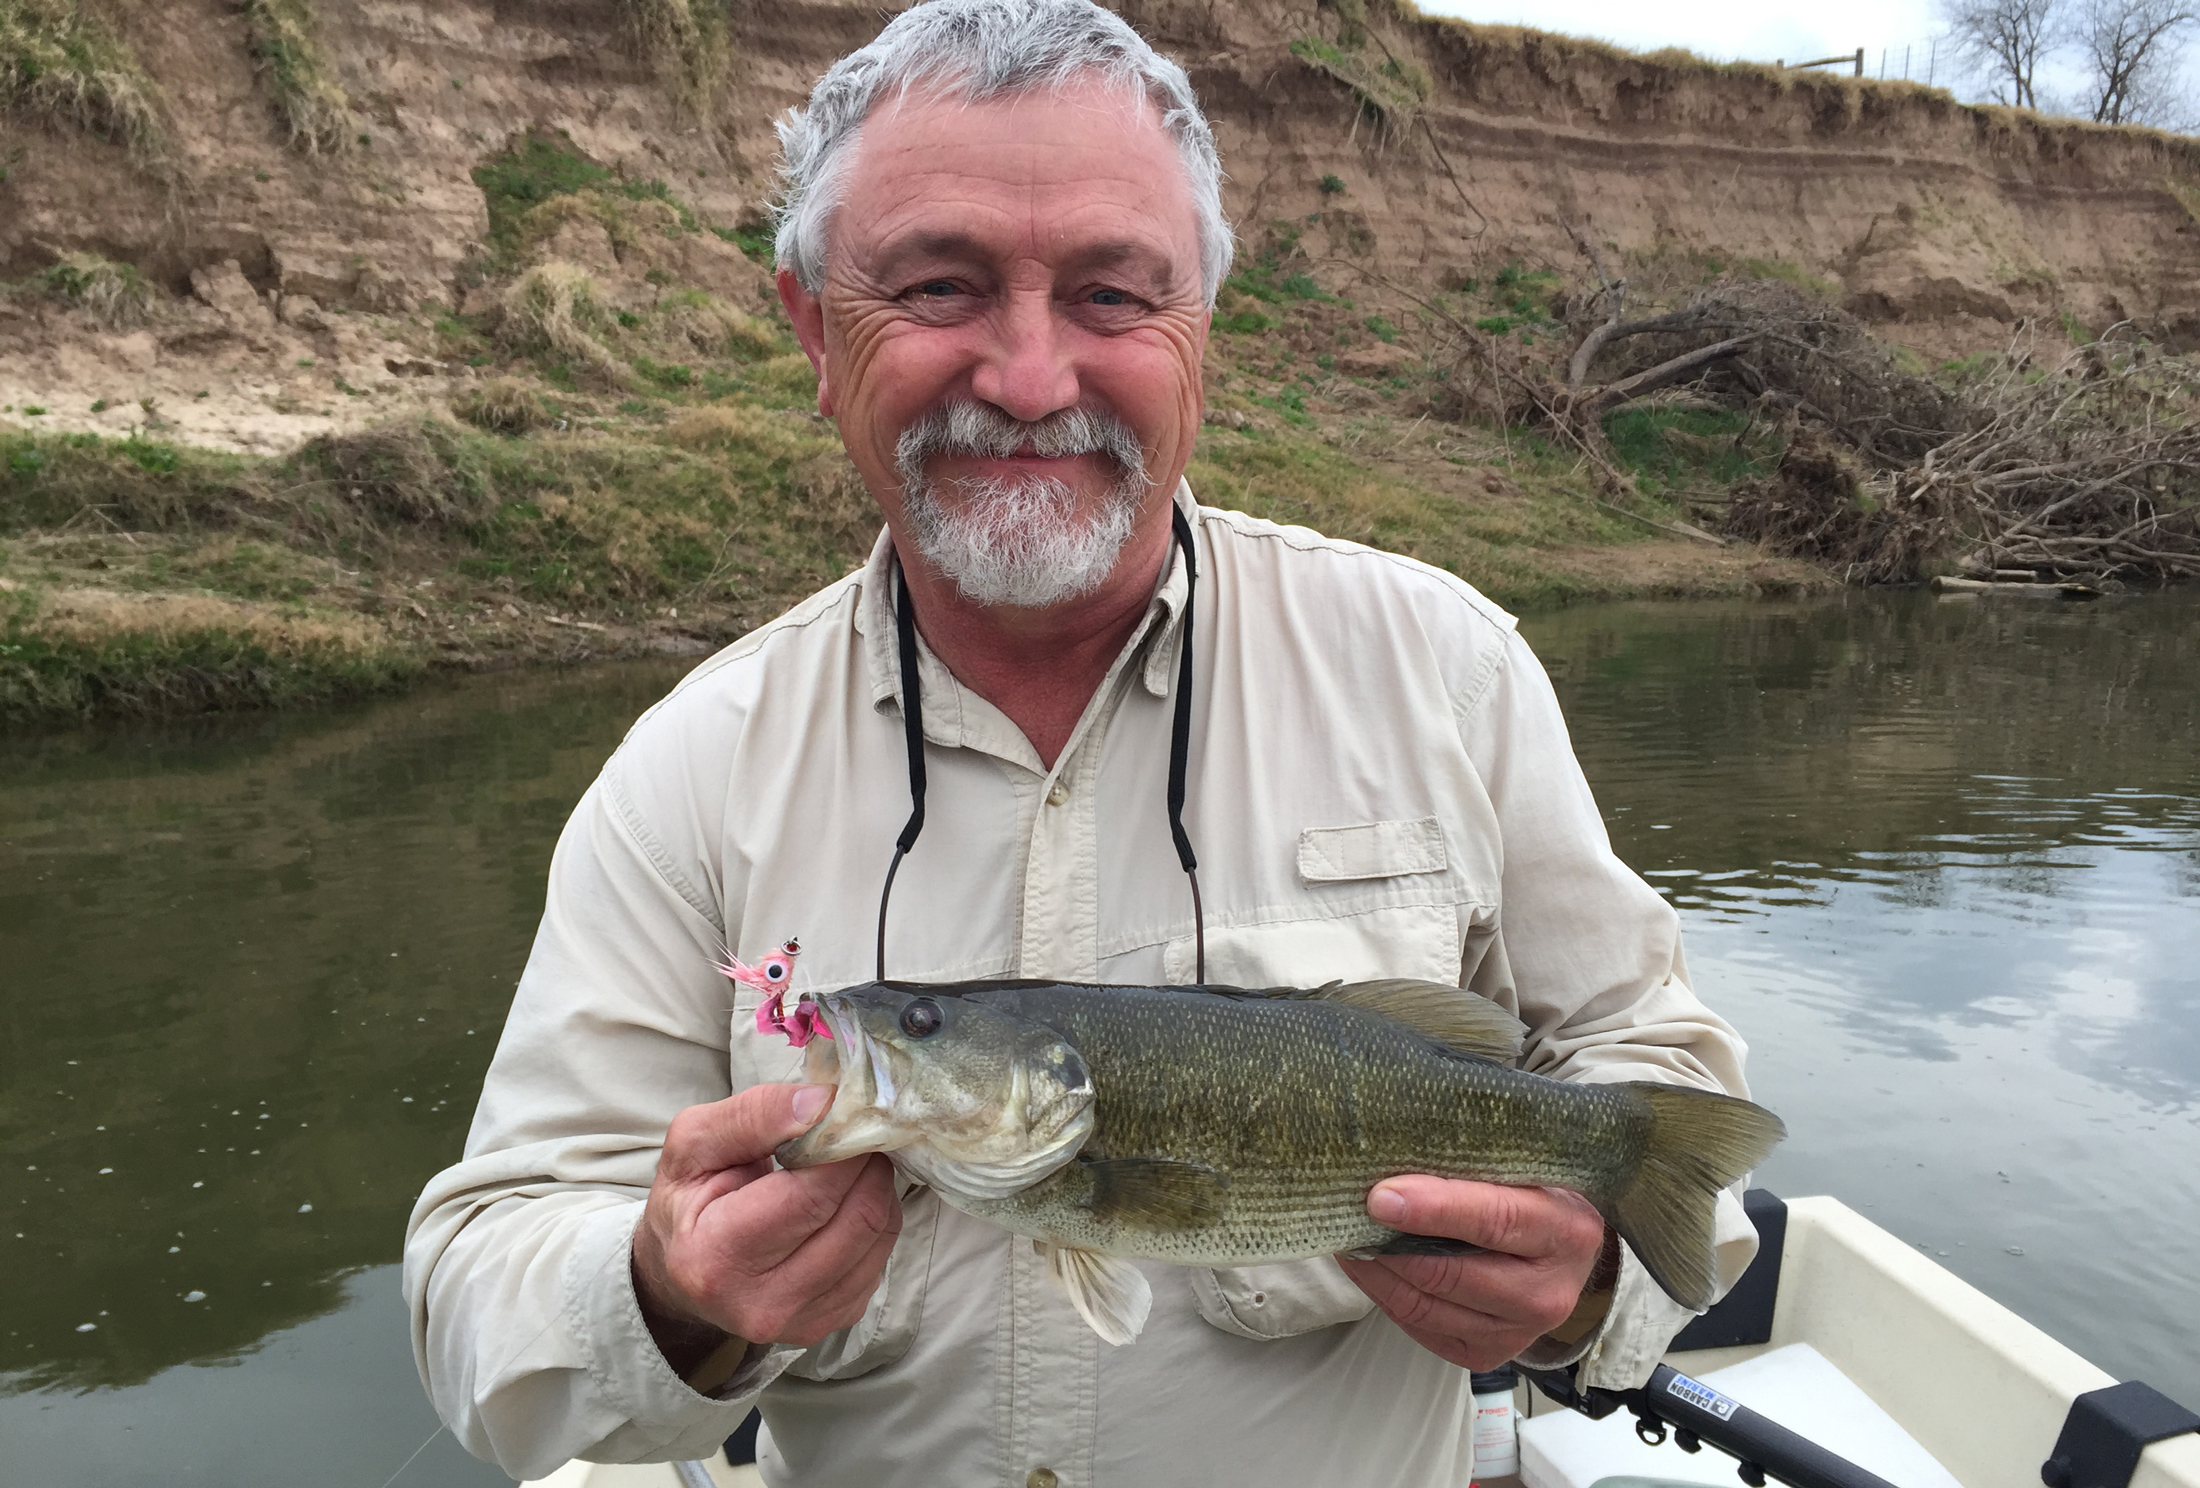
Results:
[1859, 61]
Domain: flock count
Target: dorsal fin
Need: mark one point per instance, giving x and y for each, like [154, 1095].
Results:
[1452, 1016]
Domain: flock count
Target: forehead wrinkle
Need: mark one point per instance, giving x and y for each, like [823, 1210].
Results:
[1091, 93]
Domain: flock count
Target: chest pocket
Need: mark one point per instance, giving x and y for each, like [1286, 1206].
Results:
[889, 1324]
[1433, 928]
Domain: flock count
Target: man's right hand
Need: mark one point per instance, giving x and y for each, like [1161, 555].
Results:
[728, 1244]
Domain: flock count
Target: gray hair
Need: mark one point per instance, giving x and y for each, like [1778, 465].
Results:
[975, 50]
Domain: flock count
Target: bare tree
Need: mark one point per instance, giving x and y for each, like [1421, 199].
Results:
[2005, 40]
[2130, 49]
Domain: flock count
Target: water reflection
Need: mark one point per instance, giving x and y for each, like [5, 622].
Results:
[254, 972]
[1940, 861]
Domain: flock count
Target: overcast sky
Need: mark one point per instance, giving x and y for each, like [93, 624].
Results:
[1750, 30]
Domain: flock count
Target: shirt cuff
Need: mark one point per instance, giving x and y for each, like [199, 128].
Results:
[1620, 1352]
[624, 1362]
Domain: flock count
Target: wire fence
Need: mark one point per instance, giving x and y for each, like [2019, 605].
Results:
[1924, 62]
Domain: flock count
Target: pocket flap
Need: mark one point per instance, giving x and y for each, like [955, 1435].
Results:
[1384, 849]
[1280, 1300]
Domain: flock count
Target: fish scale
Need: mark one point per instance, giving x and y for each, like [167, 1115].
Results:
[1299, 1107]
[1216, 1126]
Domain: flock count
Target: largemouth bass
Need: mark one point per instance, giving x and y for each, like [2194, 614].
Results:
[1222, 1127]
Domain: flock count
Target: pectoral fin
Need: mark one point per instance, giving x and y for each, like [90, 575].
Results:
[1419, 1245]
[1109, 1293]
[1155, 1193]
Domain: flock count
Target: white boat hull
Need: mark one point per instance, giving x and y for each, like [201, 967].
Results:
[1977, 1386]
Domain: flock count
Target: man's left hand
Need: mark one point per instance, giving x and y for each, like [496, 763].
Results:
[1479, 1311]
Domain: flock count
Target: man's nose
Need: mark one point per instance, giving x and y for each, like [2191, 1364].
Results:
[1027, 369]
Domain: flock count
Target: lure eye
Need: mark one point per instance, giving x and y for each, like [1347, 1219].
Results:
[922, 1018]
[775, 970]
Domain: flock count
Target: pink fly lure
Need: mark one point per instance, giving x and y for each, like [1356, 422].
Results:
[772, 975]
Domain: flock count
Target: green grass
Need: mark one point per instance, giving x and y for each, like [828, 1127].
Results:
[1244, 323]
[540, 169]
[1502, 548]
[755, 243]
[1674, 450]
[47, 679]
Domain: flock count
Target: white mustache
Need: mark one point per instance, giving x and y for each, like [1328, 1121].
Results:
[965, 426]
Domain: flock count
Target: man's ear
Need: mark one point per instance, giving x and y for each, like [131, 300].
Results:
[807, 312]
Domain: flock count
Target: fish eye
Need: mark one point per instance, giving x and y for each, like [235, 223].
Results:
[922, 1018]
[776, 972]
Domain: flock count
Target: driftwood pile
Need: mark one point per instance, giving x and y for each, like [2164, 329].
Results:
[2070, 463]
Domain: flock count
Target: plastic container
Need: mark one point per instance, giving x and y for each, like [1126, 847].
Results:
[1496, 1428]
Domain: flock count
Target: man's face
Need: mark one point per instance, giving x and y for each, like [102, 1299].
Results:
[1034, 255]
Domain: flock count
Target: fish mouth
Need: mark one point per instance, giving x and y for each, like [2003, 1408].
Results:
[869, 1082]
[849, 1061]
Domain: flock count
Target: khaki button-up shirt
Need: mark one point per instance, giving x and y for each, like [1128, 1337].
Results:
[1380, 786]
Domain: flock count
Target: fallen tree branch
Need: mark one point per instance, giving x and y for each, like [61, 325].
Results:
[1679, 369]
[1678, 529]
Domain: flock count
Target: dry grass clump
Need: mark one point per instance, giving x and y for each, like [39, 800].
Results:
[774, 434]
[626, 217]
[556, 308]
[103, 614]
[503, 405]
[314, 108]
[687, 38]
[717, 329]
[1391, 90]
[59, 64]
[408, 473]
[114, 294]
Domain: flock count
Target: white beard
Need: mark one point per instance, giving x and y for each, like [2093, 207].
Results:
[1019, 543]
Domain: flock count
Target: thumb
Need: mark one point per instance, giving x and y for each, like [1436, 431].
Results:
[742, 1129]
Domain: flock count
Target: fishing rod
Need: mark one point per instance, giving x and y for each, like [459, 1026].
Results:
[1699, 1416]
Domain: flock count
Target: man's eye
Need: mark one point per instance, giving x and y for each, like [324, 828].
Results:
[1110, 297]
[936, 287]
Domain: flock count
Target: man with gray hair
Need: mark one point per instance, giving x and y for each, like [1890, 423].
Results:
[1000, 241]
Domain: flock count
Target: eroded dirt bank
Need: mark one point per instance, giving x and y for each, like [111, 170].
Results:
[337, 341]
[1455, 146]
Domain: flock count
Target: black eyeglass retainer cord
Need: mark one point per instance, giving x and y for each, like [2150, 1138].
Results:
[1180, 741]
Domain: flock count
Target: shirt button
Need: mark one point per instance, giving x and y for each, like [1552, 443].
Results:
[1041, 1477]
[1057, 796]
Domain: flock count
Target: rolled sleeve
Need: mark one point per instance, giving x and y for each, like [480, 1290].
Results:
[526, 1329]
[1590, 958]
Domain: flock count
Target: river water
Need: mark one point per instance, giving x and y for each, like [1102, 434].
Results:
[1938, 858]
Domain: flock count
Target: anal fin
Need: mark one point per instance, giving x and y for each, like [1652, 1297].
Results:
[1110, 1293]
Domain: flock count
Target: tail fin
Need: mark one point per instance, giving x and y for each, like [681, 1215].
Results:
[1699, 1143]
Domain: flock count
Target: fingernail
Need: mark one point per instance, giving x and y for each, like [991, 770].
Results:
[811, 1100]
[1387, 1205]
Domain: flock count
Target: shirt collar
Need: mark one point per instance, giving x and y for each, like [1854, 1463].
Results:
[943, 721]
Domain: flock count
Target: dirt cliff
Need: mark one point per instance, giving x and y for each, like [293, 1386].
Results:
[425, 337]
[1444, 146]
